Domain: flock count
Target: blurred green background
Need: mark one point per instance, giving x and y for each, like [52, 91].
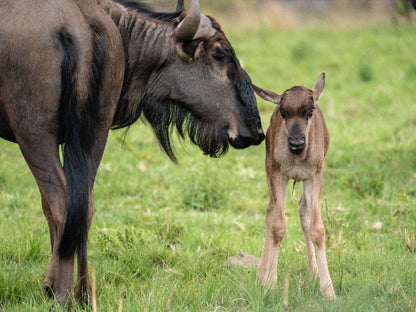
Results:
[165, 231]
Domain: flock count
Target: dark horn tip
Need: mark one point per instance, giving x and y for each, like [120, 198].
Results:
[188, 27]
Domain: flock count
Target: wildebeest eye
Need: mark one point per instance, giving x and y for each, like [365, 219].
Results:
[219, 53]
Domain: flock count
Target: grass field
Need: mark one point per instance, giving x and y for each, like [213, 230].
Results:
[162, 232]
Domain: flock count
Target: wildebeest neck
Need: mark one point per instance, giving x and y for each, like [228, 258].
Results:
[147, 43]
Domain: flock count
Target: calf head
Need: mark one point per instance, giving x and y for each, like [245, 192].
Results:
[296, 106]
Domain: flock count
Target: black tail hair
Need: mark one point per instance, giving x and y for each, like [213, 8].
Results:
[79, 123]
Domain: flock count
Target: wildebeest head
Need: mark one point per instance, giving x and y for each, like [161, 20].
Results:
[203, 90]
[296, 106]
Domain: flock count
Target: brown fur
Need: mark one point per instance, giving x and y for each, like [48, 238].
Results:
[292, 122]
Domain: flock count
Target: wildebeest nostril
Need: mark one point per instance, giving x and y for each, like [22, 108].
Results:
[260, 129]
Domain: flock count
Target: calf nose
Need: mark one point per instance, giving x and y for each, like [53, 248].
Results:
[297, 144]
[297, 141]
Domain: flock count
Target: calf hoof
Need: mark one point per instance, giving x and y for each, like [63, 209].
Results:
[313, 273]
[266, 276]
[328, 292]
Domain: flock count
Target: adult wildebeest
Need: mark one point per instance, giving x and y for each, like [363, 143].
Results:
[296, 144]
[72, 69]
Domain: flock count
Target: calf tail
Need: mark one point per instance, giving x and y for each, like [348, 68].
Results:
[79, 122]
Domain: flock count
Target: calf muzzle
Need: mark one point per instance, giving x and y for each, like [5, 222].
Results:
[297, 144]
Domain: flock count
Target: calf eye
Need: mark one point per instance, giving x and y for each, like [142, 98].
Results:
[309, 113]
[285, 114]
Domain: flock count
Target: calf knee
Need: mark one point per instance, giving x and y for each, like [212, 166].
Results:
[318, 236]
[278, 232]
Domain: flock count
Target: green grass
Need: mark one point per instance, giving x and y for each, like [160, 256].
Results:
[163, 229]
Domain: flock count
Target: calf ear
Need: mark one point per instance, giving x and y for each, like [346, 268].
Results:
[319, 86]
[267, 95]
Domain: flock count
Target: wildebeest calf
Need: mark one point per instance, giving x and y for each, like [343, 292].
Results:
[296, 144]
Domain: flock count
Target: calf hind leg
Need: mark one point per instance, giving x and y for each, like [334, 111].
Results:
[318, 239]
[305, 221]
[310, 212]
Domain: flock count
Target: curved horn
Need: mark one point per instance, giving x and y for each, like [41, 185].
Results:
[188, 27]
[180, 6]
[205, 29]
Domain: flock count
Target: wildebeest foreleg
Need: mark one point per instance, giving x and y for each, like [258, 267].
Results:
[275, 228]
[314, 230]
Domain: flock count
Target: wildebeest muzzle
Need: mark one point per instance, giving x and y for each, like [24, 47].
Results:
[254, 136]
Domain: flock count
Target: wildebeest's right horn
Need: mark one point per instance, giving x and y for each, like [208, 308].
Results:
[205, 29]
[188, 27]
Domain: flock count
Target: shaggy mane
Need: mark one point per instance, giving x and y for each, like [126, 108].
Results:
[164, 117]
[146, 9]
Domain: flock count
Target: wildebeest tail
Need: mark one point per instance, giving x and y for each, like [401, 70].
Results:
[79, 122]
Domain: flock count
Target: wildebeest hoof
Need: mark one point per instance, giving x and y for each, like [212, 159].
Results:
[85, 299]
[83, 293]
[48, 290]
[58, 305]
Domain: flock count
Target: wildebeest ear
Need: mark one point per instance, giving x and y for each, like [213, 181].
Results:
[189, 50]
[319, 86]
[267, 95]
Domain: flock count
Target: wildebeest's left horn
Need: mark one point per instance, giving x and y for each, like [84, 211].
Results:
[180, 6]
[188, 27]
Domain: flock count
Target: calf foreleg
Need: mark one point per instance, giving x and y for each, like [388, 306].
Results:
[275, 228]
[314, 230]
